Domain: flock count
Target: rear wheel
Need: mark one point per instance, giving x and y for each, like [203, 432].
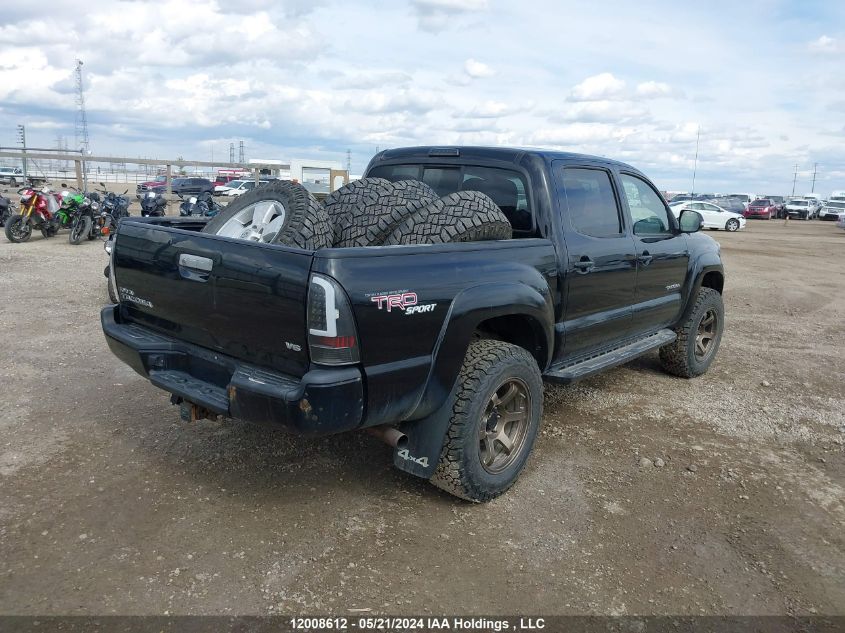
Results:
[281, 212]
[496, 414]
[17, 229]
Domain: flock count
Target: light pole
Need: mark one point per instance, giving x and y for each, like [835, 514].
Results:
[22, 139]
[695, 165]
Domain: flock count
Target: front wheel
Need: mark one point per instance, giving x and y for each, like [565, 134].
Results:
[495, 418]
[80, 228]
[699, 336]
[732, 225]
[18, 229]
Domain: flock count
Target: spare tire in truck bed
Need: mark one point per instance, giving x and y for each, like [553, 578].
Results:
[364, 212]
[464, 216]
[280, 212]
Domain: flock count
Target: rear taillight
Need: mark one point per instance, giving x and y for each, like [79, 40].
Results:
[332, 338]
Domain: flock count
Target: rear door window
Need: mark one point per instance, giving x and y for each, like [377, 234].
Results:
[591, 202]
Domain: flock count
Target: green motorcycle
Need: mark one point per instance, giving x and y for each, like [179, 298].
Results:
[77, 214]
[71, 201]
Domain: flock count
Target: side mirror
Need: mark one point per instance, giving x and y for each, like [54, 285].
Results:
[690, 221]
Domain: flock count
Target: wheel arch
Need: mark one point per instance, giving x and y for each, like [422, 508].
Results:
[513, 312]
[707, 272]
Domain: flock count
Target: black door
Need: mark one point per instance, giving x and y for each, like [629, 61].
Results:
[662, 256]
[600, 271]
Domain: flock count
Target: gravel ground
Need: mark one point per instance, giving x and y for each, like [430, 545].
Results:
[647, 494]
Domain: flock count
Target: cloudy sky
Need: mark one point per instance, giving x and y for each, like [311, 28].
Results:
[763, 79]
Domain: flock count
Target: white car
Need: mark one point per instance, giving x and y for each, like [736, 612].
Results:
[832, 210]
[800, 208]
[243, 187]
[715, 217]
[222, 190]
[11, 176]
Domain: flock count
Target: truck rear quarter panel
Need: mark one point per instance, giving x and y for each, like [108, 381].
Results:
[416, 308]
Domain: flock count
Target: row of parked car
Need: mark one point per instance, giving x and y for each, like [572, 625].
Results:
[730, 212]
[223, 186]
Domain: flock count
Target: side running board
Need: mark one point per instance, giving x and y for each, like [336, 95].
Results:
[576, 371]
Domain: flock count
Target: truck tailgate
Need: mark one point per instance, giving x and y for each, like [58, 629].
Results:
[244, 299]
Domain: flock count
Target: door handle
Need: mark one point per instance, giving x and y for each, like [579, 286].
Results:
[584, 265]
[645, 258]
[194, 267]
[195, 262]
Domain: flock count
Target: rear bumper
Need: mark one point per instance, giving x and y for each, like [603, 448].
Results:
[322, 402]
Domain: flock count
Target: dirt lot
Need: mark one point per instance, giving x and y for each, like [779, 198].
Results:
[108, 504]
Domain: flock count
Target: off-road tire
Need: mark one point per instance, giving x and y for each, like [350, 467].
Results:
[342, 205]
[378, 215]
[77, 232]
[464, 216]
[678, 358]
[487, 365]
[306, 223]
[11, 222]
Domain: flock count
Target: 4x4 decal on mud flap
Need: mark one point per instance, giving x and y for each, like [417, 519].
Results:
[404, 454]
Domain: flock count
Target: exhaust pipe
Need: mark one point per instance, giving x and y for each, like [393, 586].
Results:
[389, 435]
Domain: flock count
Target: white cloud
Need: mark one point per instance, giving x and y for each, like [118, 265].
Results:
[824, 44]
[597, 87]
[477, 69]
[653, 89]
[495, 109]
[436, 15]
[601, 112]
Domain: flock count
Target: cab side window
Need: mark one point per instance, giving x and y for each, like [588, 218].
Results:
[648, 211]
[591, 203]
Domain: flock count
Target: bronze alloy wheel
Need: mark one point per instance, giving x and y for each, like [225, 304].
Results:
[504, 425]
[705, 338]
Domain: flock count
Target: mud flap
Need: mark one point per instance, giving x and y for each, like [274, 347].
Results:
[420, 454]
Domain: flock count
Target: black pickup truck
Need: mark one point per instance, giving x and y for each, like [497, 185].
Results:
[439, 349]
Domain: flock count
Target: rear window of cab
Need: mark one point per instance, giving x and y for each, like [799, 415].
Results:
[506, 187]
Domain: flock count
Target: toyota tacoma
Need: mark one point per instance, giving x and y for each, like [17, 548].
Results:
[440, 349]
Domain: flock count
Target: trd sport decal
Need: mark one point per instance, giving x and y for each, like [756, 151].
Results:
[405, 301]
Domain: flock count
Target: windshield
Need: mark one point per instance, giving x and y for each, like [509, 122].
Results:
[761, 203]
[739, 196]
[235, 183]
[799, 203]
[837, 205]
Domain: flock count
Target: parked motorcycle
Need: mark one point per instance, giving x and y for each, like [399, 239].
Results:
[71, 201]
[201, 205]
[6, 209]
[82, 226]
[115, 205]
[153, 204]
[37, 211]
